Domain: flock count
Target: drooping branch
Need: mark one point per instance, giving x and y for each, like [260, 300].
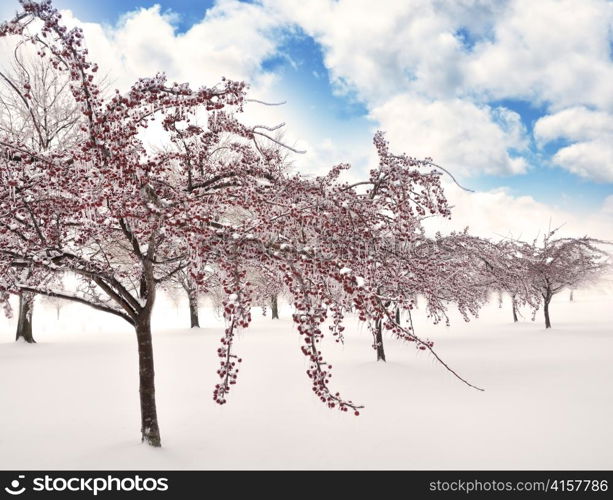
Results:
[79, 300]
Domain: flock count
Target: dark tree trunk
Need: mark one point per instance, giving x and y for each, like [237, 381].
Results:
[572, 297]
[24, 322]
[274, 306]
[143, 287]
[514, 310]
[379, 341]
[398, 315]
[546, 310]
[149, 421]
[193, 309]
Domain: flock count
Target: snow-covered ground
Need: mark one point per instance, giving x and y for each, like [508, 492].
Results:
[71, 401]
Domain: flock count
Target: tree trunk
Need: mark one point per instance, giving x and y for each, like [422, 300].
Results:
[572, 297]
[193, 309]
[143, 287]
[274, 306]
[514, 310]
[149, 421]
[398, 315]
[379, 341]
[192, 297]
[24, 322]
[546, 310]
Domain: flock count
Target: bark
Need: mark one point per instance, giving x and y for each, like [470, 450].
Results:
[150, 430]
[274, 306]
[149, 422]
[398, 315]
[143, 287]
[514, 310]
[546, 310]
[193, 309]
[379, 341]
[24, 323]
[572, 295]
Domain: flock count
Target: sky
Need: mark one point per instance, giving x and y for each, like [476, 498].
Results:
[514, 97]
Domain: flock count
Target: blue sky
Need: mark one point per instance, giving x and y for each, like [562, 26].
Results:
[484, 88]
[300, 63]
[544, 181]
[109, 11]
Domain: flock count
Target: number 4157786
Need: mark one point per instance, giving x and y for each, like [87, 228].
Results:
[594, 485]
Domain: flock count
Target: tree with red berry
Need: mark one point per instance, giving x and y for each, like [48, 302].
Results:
[125, 219]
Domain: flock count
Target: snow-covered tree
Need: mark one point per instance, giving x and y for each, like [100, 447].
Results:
[505, 269]
[124, 219]
[555, 263]
[442, 270]
[36, 109]
[268, 286]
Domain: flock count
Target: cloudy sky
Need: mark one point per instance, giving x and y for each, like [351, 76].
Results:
[514, 97]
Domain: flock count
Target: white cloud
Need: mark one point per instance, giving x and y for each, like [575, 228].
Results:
[381, 51]
[555, 51]
[576, 123]
[591, 132]
[498, 214]
[409, 64]
[232, 41]
[590, 159]
[460, 135]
